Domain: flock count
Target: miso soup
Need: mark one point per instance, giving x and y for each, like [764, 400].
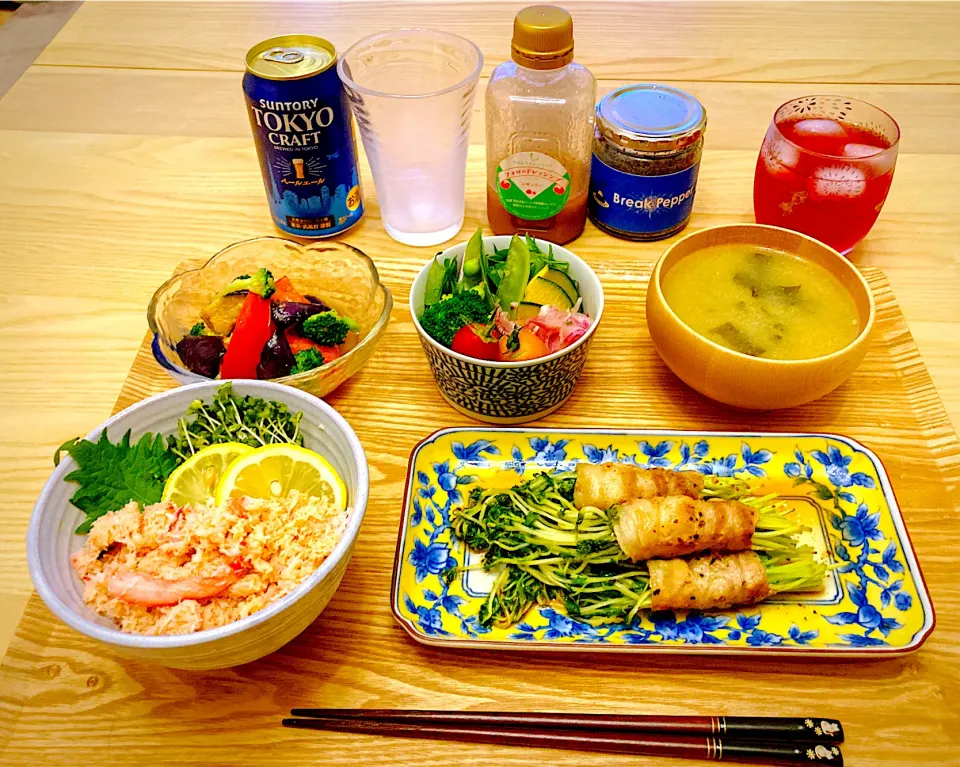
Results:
[762, 302]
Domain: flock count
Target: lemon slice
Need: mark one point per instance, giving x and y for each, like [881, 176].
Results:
[273, 471]
[195, 480]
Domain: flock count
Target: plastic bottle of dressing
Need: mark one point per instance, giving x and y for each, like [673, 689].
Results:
[539, 111]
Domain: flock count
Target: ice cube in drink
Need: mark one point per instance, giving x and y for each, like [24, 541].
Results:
[838, 181]
[858, 151]
[779, 156]
[817, 135]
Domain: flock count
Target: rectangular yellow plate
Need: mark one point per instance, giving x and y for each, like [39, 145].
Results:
[874, 603]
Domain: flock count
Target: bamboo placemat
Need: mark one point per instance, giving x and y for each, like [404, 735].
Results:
[65, 700]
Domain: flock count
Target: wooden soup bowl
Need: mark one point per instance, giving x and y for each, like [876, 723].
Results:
[739, 380]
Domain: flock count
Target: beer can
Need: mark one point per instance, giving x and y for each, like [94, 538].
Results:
[301, 125]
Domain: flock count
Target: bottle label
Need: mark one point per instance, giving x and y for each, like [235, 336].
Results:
[532, 185]
[640, 204]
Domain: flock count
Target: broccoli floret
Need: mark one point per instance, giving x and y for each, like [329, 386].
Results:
[260, 282]
[305, 360]
[199, 330]
[328, 328]
[442, 320]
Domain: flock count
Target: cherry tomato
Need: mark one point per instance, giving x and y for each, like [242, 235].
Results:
[474, 341]
[530, 347]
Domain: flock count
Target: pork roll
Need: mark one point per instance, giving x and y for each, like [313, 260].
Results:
[708, 581]
[662, 528]
[607, 484]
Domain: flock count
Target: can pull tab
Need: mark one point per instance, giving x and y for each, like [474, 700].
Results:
[284, 56]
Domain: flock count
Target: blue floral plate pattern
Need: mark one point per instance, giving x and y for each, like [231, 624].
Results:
[874, 600]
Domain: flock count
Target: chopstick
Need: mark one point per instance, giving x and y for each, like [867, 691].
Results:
[770, 728]
[637, 744]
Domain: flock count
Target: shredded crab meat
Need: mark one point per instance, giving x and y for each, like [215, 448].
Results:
[175, 570]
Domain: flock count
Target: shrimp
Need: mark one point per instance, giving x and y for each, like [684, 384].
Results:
[150, 591]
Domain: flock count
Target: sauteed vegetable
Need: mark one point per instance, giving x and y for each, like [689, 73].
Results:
[258, 327]
[547, 543]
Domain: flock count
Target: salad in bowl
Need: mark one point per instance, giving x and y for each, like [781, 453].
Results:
[503, 304]
[506, 324]
[269, 308]
[259, 327]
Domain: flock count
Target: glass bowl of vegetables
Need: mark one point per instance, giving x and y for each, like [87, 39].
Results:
[268, 308]
[506, 324]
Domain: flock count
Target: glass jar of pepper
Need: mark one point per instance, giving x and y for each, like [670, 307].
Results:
[646, 155]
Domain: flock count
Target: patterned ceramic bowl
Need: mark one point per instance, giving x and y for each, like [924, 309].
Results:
[342, 276]
[51, 540]
[510, 392]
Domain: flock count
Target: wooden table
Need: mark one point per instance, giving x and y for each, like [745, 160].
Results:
[124, 150]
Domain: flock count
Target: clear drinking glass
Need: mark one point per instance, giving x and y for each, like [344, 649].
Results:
[412, 94]
[825, 168]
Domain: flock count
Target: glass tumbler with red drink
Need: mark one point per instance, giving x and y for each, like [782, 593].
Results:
[825, 168]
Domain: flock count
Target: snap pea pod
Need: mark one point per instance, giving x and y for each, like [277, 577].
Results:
[432, 292]
[441, 280]
[450, 277]
[487, 274]
[516, 274]
[486, 279]
[472, 273]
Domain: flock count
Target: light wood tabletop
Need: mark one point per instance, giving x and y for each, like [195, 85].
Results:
[125, 149]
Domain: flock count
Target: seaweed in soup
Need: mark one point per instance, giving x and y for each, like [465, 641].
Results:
[737, 340]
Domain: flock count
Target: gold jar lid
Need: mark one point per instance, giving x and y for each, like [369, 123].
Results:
[542, 37]
[651, 118]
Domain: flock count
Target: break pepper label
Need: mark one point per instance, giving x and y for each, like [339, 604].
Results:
[532, 185]
[640, 204]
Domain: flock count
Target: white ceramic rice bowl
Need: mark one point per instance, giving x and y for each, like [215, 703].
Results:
[51, 540]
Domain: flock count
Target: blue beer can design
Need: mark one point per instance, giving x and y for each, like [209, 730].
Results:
[301, 127]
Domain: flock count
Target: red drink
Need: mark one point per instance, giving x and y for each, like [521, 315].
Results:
[825, 169]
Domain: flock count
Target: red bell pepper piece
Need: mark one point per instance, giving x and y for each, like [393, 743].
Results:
[298, 343]
[286, 292]
[253, 329]
[330, 353]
